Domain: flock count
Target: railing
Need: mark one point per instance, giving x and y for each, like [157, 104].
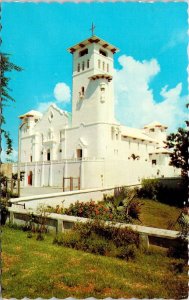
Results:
[20, 204]
[55, 161]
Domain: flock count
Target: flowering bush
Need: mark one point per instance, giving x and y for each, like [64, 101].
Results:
[123, 207]
[89, 210]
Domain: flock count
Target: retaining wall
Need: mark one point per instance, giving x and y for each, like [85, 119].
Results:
[60, 223]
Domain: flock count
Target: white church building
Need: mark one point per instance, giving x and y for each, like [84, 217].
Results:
[89, 143]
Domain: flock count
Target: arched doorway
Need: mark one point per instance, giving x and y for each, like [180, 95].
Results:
[30, 177]
[79, 153]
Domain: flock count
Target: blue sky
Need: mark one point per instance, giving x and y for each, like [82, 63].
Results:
[150, 69]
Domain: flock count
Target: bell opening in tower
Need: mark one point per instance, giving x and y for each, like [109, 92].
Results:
[79, 153]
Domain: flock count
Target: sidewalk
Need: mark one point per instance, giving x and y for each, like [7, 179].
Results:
[31, 191]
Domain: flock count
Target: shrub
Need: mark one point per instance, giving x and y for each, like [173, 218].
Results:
[121, 193]
[98, 245]
[8, 194]
[122, 207]
[89, 210]
[154, 189]
[127, 252]
[59, 209]
[149, 188]
[173, 196]
[58, 239]
[3, 214]
[14, 225]
[68, 239]
[124, 236]
[71, 238]
[99, 238]
[178, 267]
[84, 230]
[119, 236]
[134, 209]
[40, 237]
[180, 250]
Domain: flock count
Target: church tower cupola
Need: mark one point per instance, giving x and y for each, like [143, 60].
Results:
[92, 89]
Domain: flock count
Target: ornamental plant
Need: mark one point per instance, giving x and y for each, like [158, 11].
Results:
[89, 210]
[97, 237]
[122, 207]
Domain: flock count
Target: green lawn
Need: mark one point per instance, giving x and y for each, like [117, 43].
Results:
[34, 269]
[156, 214]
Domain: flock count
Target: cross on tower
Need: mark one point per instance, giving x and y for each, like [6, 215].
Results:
[92, 29]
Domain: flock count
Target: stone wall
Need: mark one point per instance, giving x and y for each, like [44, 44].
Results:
[60, 223]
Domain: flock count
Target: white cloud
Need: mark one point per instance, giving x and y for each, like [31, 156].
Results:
[12, 157]
[62, 92]
[135, 103]
[178, 37]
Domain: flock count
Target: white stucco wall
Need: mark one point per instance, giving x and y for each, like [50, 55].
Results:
[94, 147]
[95, 105]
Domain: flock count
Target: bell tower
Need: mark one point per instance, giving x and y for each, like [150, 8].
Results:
[92, 88]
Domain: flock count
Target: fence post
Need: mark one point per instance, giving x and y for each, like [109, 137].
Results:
[71, 183]
[63, 185]
[18, 187]
[11, 217]
[11, 185]
[144, 240]
[59, 227]
[78, 183]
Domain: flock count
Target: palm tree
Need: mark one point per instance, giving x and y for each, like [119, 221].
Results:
[134, 156]
[5, 66]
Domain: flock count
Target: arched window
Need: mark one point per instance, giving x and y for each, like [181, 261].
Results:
[103, 52]
[48, 154]
[88, 63]
[83, 65]
[78, 68]
[83, 52]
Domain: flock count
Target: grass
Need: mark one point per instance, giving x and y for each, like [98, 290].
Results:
[34, 269]
[159, 215]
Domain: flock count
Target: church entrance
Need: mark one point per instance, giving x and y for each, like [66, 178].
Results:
[79, 153]
[30, 178]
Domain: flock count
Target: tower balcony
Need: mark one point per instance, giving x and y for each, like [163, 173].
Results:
[101, 76]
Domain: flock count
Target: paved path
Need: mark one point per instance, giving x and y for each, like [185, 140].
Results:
[30, 191]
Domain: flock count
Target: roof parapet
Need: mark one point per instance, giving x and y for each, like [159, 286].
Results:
[91, 40]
